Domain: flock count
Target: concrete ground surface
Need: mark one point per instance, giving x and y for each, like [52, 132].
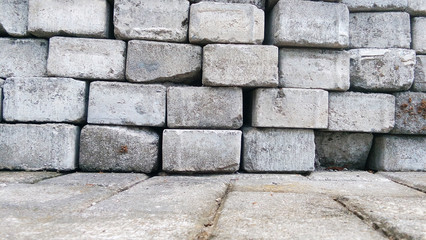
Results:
[322, 205]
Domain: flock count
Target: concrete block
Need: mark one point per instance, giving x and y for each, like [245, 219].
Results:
[379, 30]
[86, 58]
[278, 150]
[375, 5]
[23, 57]
[211, 22]
[44, 100]
[127, 104]
[201, 150]
[410, 113]
[398, 153]
[290, 108]
[361, 112]
[314, 68]
[159, 20]
[38, 147]
[416, 7]
[1, 99]
[258, 3]
[309, 24]
[204, 107]
[159, 62]
[14, 17]
[419, 84]
[419, 33]
[118, 149]
[382, 70]
[233, 65]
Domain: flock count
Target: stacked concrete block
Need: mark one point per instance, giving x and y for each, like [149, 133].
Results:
[416, 7]
[419, 84]
[258, 3]
[1, 99]
[419, 33]
[375, 5]
[410, 113]
[14, 18]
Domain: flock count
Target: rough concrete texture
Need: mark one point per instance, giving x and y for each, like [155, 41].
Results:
[416, 180]
[419, 33]
[23, 57]
[416, 7]
[118, 149]
[419, 84]
[159, 62]
[382, 70]
[44, 100]
[86, 58]
[398, 153]
[361, 112]
[278, 150]
[1, 99]
[159, 20]
[410, 113]
[204, 107]
[14, 17]
[309, 24]
[211, 22]
[375, 5]
[201, 150]
[47, 18]
[342, 150]
[314, 68]
[38, 147]
[10, 177]
[290, 108]
[379, 30]
[258, 3]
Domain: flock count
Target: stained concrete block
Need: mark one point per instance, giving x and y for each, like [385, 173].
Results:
[416, 7]
[201, 150]
[410, 113]
[419, 84]
[314, 68]
[118, 149]
[309, 24]
[375, 5]
[159, 20]
[419, 33]
[361, 112]
[211, 22]
[14, 17]
[382, 70]
[204, 107]
[86, 58]
[278, 150]
[127, 104]
[290, 108]
[159, 62]
[44, 100]
[379, 30]
[38, 147]
[233, 65]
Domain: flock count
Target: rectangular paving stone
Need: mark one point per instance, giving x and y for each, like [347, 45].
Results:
[419, 84]
[258, 3]
[375, 5]
[14, 17]
[9, 177]
[415, 180]
[419, 33]
[416, 7]
[410, 113]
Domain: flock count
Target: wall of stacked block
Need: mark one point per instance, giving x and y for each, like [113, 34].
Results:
[212, 86]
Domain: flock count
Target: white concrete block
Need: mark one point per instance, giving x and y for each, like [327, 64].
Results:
[375, 5]
[258, 3]
[14, 17]
[419, 34]
[416, 7]
[419, 84]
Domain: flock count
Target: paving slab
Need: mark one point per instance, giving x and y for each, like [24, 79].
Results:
[415, 180]
[26, 177]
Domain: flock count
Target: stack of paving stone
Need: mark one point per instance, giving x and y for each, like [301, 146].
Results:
[212, 86]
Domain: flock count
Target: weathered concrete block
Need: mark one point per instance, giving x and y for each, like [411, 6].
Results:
[158, 62]
[410, 113]
[419, 33]
[382, 70]
[38, 147]
[201, 150]
[258, 3]
[233, 65]
[416, 7]
[379, 30]
[23, 57]
[118, 149]
[375, 5]
[160, 20]
[342, 149]
[419, 84]
[211, 22]
[309, 24]
[14, 17]
[127, 104]
[86, 58]
[278, 150]
[398, 153]
[314, 68]
[204, 107]
[361, 112]
[1, 99]
[44, 100]
[290, 108]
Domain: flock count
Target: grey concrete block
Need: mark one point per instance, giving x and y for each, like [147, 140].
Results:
[382, 70]
[419, 33]
[38, 147]
[1, 99]
[233, 65]
[278, 150]
[212, 22]
[201, 150]
[290, 108]
[118, 149]
[258, 3]
[309, 24]
[204, 107]
[44, 100]
[86, 58]
[14, 17]
[379, 30]
[416, 7]
[23, 57]
[160, 20]
[410, 113]
[419, 84]
[375, 5]
[314, 68]
[159, 62]
[361, 112]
